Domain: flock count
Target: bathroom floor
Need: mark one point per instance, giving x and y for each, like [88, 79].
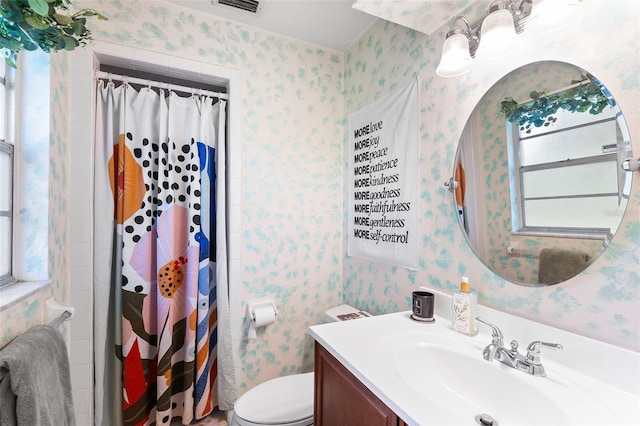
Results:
[214, 419]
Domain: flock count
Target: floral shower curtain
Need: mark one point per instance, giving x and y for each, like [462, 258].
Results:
[157, 171]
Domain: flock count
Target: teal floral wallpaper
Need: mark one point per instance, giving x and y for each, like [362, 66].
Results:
[59, 184]
[602, 302]
[292, 168]
[294, 104]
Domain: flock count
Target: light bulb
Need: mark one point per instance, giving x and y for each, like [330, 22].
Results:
[456, 59]
[550, 15]
[497, 35]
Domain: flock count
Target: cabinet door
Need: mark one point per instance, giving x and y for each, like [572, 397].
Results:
[342, 400]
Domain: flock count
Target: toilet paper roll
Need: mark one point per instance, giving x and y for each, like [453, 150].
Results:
[262, 316]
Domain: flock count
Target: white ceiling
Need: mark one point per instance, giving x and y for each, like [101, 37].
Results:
[336, 24]
[425, 16]
[328, 23]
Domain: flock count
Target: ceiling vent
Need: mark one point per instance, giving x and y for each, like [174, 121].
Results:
[252, 6]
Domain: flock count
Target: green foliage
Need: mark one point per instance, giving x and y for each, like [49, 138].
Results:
[586, 96]
[44, 24]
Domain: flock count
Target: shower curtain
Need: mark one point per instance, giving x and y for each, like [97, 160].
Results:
[161, 291]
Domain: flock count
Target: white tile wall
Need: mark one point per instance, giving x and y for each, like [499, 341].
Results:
[81, 262]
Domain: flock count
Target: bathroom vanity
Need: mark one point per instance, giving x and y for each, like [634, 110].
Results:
[392, 370]
[342, 399]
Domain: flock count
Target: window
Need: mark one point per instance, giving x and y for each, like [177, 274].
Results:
[569, 164]
[7, 112]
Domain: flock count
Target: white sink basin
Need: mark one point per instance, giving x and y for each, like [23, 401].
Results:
[453, 374]
[431, 375]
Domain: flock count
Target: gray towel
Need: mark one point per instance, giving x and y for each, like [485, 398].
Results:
[559, 265]
[35, 383]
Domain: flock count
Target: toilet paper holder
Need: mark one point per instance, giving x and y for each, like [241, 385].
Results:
[256, 304]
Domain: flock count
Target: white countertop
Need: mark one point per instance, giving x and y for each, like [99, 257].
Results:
[611, 375]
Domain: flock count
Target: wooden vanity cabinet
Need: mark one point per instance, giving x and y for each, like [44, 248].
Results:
[342, 400]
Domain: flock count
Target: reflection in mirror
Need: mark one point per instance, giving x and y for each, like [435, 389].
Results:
[538, 185]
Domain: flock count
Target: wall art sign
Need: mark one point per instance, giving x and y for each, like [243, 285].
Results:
[383, 178]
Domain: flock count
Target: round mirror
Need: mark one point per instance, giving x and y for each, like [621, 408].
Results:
[537, 179]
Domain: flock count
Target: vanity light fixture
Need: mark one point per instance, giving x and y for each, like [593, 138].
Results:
[552, 15]
[496, 34]
[456, 51]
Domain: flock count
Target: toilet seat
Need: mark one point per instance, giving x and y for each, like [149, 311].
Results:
[286, 400]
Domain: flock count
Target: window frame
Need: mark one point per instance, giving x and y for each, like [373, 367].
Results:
[7, 146]
[518, 197]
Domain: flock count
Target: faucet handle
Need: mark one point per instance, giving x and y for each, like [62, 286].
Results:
[533, 350]
[496, 335]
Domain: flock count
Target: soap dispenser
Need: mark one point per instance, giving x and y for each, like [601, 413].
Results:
[464, 309]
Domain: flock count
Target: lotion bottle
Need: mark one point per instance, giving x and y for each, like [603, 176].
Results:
[464, 309]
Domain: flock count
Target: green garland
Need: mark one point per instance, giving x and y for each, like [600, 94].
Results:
[586, 97]
[33, 24]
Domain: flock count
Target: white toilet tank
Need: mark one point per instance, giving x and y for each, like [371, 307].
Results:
[344, 313]
[287, 400]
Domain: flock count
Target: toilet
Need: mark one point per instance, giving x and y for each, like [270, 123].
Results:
[287, 400]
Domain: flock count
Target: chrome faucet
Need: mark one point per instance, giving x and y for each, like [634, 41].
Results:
[512, 357]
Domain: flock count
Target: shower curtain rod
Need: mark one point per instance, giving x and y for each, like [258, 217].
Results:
[145, 82]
